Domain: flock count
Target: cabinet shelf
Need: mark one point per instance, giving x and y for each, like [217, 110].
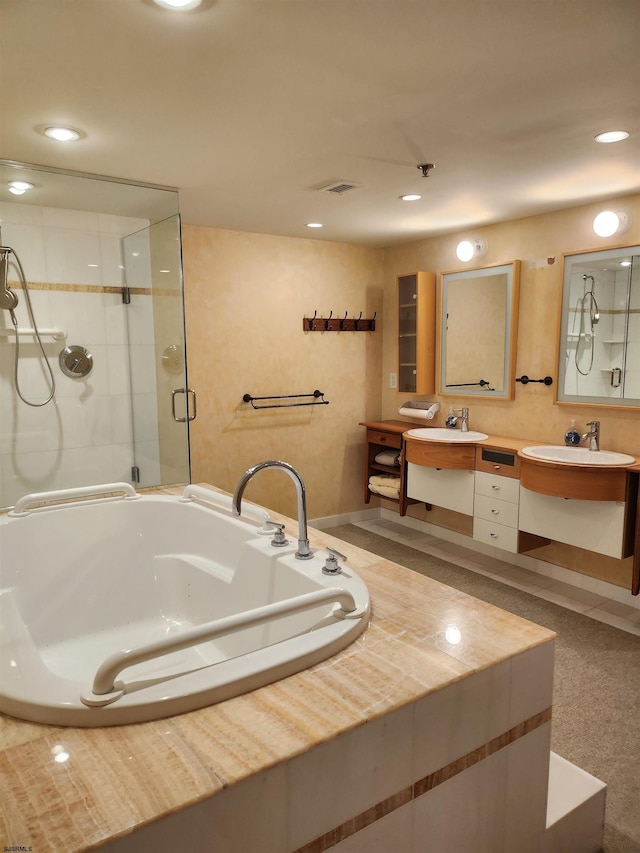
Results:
[386, 435]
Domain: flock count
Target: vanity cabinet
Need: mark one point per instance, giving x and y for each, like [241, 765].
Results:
[417, 333]
[597, 526]
[442, 475]
[381, 436]
[589, 508]
[497, 497]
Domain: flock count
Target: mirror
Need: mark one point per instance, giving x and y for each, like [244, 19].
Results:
[599, 344]
[478, 324]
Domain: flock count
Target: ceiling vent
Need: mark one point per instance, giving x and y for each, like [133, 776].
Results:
[339, 187]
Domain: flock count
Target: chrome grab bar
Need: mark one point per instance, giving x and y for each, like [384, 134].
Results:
[105, 489]
[111, 667]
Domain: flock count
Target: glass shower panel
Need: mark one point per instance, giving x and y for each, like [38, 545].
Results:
[160, 402]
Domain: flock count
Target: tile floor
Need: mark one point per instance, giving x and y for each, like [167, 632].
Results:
[596, 606]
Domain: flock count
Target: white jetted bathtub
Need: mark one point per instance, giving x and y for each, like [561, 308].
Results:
[123, 609]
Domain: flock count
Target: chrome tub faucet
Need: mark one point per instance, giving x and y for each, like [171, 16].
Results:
[303, 552]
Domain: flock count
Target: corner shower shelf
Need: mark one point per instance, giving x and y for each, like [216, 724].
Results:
[56, 334]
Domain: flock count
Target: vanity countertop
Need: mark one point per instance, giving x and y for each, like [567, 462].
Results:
[499, 442]
[118, 778]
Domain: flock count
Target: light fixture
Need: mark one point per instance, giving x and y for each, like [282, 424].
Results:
[178, 5]
[19, 187]
[314, 224]
[612, 136]
[62, 134]
[468, 249]
[610, 222]
[411, 197]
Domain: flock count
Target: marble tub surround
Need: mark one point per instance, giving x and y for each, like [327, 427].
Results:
[380, 735]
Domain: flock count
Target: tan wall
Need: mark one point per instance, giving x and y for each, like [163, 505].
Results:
[532, 414]
[246, 296]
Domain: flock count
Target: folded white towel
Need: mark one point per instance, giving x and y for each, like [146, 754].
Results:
[388, 457]
[384, 491]
[386, 480]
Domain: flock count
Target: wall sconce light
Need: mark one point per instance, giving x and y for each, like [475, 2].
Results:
[610, 222]
[468, 249]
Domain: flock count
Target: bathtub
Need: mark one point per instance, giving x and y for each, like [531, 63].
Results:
[125, 608]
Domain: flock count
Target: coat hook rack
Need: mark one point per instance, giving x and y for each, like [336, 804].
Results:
[318, 400]
[339, 324]
[525, 380]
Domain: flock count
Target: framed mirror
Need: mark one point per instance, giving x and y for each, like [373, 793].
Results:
[599, 342]
[477, 330]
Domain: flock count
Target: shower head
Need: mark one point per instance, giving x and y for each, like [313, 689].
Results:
[8, 299]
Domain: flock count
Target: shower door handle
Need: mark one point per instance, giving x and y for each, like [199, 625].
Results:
[188, 416]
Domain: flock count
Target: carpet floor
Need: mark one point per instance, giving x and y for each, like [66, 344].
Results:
[596, 700]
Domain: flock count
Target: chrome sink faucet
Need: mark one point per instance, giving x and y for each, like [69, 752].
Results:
[303, 552]
[464, 419]
[593, 435]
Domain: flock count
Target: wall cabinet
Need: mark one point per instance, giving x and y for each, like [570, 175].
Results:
[417, 333]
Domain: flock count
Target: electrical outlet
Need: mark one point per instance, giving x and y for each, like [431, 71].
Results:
[393, 380]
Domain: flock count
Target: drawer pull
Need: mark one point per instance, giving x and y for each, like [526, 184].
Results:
[494, 535]
[496, 467]
[496, 488]
[495, 512]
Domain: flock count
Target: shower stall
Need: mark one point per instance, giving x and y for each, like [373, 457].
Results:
[93, 382]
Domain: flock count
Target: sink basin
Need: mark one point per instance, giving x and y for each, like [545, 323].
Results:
[579, 456]
[455, 436]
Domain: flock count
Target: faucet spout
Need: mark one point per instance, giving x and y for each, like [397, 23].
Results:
[593, 435]
[464, 419]
[303, 552]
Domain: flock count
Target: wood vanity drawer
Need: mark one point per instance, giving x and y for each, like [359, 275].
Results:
[503, 488]
[435, 455]
[391, 440]
[504, 463]
[498, 512]
[496, 534]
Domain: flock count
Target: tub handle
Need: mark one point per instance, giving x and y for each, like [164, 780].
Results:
[192, 491]
[104, 690]
[105, 489]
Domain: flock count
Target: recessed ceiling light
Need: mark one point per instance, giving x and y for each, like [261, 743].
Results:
[612, 136]
[314, 224]
[62, 134]
[411, 197]
[178, 5]
[19, 187]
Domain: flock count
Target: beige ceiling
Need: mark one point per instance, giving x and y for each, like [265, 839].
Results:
[247, 106]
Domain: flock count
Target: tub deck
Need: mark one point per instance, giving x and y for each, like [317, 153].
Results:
[72, 789]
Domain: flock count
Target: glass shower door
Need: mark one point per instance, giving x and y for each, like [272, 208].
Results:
[161, 402]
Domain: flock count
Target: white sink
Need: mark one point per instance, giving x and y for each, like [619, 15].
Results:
[579, 456]
[453, 435]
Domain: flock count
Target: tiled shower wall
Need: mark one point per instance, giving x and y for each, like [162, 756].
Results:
[73, 264]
